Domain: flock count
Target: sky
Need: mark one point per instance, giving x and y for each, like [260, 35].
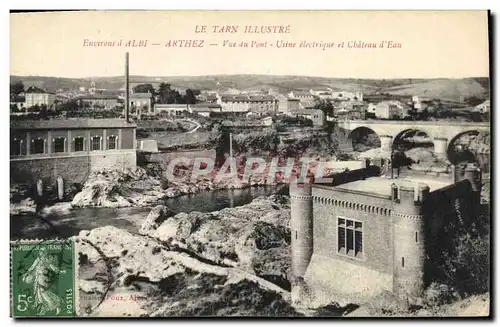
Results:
[433, 44]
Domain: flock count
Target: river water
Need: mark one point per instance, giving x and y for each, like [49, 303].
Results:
[65, 224]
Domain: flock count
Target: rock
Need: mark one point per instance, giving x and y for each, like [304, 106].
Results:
[26, 206]
[60, 208]
[254, 237]
[155, 218]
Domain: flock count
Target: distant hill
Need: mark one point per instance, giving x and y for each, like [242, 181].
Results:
[452, 89]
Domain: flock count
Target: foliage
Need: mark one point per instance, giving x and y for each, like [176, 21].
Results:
[16, 88]
[144, 88]
[189, 97]
[325, 105]
[168, 96]
[473, 100]
[367, 142]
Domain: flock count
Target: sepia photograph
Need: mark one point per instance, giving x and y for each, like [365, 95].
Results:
[279, 164]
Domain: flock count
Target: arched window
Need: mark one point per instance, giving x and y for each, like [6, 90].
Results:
[96, 143]
[59, 144]
[15, 147]
[112, 144]
[38, 145]
[79, 144]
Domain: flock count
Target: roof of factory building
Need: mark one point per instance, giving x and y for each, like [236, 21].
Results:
[382, 186]
[70, 124]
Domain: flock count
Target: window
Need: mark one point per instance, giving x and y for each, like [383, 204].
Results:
[79, 142]
[350, 238]
[59, 144]
[15, 147]
[96, 143]
[112, 142]
[402, 262]
[39, 146]
[416, 237]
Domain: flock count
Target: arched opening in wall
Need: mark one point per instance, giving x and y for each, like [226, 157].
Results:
[470, 147]
[414, 149]
[364, 139]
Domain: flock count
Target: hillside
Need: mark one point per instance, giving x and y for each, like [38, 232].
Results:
[451, 89]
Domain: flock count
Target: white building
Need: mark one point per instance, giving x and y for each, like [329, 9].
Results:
[35, 96]
[371, 109]
[483, 107]
[171, 110]
[389, 110]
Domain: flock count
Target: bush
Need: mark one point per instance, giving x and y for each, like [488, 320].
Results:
[438, 294]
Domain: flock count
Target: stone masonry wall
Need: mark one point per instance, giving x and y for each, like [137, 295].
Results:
[375, 216]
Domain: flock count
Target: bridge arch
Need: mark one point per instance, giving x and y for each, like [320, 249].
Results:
[458, 152]
[364, 138]
[408, 139]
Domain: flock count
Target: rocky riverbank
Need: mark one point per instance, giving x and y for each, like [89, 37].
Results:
[140, 187]
[227, 263]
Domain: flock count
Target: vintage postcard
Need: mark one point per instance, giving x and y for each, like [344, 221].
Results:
[250, 163]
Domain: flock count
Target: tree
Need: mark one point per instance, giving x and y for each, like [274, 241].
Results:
[14, 108]
[473, 101]
[189, 97]
[324, 105]
[144, 88]
[16, 88]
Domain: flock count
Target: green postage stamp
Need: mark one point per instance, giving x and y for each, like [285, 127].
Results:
[42, 278]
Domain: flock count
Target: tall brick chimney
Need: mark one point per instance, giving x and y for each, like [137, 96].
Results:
[127, 90]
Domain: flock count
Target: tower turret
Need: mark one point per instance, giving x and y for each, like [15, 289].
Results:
[409, 251]
[301, 227]
[473, 174]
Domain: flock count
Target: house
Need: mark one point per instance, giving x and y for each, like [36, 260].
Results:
[260, 104]
[267, 121]
[347, 96]
[371, 109]
[483, 107]
[205, 108]
[282, 103]
[390, 110]
[171, 109]
[141, 102]
[69, 148]
[293, 104]
[19, 101]
[208, 96]
[98, 101]
[35, 96]
[202, 111]
[317, 116]
[301, 95]
[321, 91]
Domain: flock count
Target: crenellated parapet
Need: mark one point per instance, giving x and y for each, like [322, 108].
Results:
[352, 205]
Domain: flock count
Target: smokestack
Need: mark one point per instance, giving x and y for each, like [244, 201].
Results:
[127, 89]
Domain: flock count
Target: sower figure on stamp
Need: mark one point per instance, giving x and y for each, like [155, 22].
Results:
[39, 275]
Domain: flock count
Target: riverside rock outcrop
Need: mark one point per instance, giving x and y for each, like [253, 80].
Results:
[139, 187]
[126, 274]
[254, 237]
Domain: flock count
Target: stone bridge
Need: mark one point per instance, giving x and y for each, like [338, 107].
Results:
[443, 133]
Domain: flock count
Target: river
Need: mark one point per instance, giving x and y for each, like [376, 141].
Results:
[63, 225]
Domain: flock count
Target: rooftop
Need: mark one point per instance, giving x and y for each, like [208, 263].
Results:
[99, 97]
[34, 89]
[69, 124]
[382, 186]
[141, 95]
